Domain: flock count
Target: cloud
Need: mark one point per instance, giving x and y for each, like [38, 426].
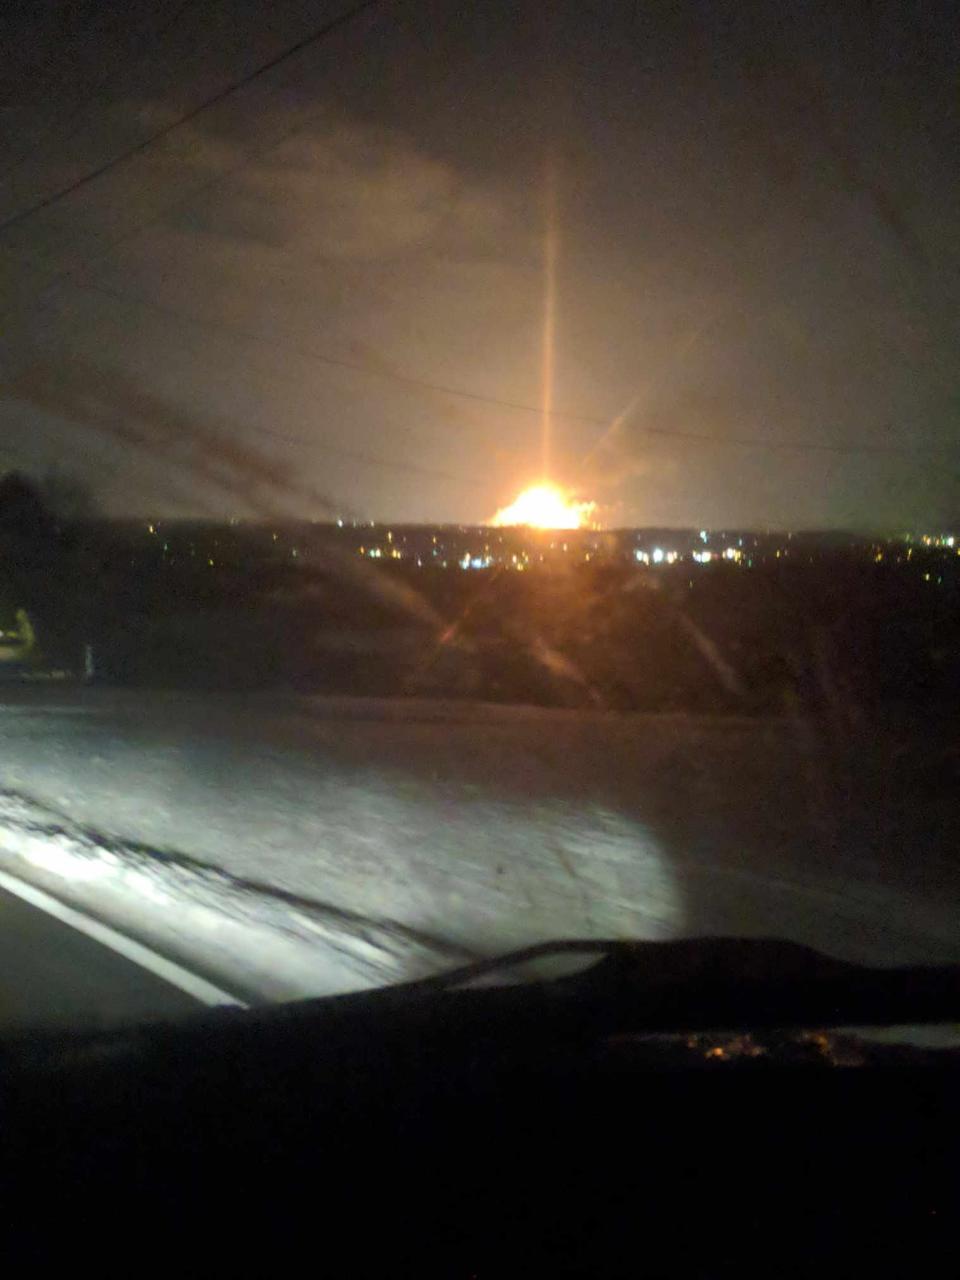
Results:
[346, 191]
[347, 231]
[351, 241]
[286, 230]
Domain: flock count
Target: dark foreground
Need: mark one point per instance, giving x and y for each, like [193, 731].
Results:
[534, 1130]
[839, 627]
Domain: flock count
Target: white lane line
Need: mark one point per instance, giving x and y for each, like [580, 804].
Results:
[168, 970]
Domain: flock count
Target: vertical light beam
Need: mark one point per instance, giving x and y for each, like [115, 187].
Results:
[550, 249]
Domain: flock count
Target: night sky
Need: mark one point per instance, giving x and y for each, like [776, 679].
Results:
[269, 310]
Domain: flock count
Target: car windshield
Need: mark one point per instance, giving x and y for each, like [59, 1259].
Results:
[472, 475]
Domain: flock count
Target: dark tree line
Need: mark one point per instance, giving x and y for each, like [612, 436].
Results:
[38, 570]
[35, 504]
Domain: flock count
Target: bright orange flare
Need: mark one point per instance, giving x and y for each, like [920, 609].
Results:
[545, 507]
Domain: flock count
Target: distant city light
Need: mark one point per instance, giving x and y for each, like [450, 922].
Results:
[477, 548]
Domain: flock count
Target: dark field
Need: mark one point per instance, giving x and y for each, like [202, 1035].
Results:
[836, 627]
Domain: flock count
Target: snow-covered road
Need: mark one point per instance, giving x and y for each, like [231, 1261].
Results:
[301, 846]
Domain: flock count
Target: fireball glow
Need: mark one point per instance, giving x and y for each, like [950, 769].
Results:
[545, 507]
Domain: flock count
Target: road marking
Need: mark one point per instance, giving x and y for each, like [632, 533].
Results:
[168, 970]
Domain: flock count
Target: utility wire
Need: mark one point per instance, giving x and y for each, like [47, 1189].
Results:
[355, 366]
[68, 274]
[743, 442]
[357, 455]
[221, 95]
[808, 446]
[80, 112]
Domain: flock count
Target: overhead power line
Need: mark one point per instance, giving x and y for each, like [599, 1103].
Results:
[360, 456]
[807, 446]
[924, 449]
[744, 442]
[80, 112]
[338, 362]
[220, 96]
